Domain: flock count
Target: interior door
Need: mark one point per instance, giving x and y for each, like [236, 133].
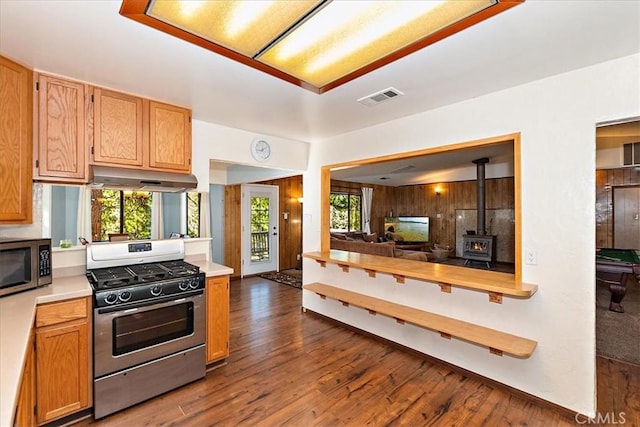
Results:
[626, 217]
[259, 229]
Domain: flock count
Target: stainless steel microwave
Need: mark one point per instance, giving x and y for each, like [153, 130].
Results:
[24, 264]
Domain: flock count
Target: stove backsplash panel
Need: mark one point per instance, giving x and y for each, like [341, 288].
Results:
[499, 222]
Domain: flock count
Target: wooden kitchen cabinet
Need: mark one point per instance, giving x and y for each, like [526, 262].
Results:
[118, 137]
[25, 410]
[61, 146]
[130, 131]
[16, 143]
[217, 341]
[169, 137]
[63, 374]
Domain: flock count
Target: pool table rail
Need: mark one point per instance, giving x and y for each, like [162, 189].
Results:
[616, 268]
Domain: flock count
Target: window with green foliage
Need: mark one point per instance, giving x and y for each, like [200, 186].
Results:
[193, 214]
[345, 212]
[260, 229]
[129, 212]
[115, 211]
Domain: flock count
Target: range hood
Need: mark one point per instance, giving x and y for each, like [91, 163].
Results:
[142, 180]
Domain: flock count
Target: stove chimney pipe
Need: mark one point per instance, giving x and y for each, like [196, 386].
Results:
[480, 190]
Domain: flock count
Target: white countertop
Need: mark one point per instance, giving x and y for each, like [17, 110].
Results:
[209, 268]
[17, 313]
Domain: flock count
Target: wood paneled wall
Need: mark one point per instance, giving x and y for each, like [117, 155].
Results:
[606, 180]
[233, 227]
[422, 200]
[290, 229]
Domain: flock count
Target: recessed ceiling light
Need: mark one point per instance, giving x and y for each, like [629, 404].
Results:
[316, 44]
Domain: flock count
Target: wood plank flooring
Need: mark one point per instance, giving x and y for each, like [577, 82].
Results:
[295, 369]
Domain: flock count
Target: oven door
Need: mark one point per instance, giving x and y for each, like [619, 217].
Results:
[126, 337]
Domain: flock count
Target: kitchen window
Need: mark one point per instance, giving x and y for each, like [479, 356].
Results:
[130, 213]
[120, 212]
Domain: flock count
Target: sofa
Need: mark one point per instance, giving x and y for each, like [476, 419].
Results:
[368, 244]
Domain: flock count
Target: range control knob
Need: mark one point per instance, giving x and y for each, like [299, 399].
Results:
[156, 290]
[111, 298]
[124, 296]
[193, 283]
[184, 285]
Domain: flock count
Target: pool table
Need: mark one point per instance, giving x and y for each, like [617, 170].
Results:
[617, 267]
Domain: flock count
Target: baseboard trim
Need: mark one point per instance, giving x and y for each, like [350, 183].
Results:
[215, 365]
[570, 415]
[72, 419]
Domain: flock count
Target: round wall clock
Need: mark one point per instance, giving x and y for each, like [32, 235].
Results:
[260, 150]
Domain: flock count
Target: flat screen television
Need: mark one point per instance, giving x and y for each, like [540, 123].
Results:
[412, 229]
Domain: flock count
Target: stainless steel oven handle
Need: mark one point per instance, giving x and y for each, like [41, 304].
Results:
[147, 305]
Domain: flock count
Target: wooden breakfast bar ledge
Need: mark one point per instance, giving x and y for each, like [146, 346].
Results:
[494, 283]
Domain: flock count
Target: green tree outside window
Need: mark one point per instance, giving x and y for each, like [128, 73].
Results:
[193, 214]
[129, 212]
[115, 211]
[345, 212]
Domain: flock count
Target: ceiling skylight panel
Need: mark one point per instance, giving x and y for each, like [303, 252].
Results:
[315, 44]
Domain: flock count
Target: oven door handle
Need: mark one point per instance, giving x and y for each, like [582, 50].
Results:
[138, 305]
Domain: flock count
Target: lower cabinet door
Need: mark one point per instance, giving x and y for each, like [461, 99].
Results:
[217, 342]
[25, 416]
[62, 377]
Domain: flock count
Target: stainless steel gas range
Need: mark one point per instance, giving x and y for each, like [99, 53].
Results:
[148, 320]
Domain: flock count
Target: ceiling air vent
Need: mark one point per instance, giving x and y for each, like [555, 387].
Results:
[380, 96]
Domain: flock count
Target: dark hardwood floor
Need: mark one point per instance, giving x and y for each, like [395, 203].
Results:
[291, 368]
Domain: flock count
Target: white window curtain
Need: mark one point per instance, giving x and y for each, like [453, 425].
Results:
[157, 221]
[84, 213]
[367, 196]
[205, 215]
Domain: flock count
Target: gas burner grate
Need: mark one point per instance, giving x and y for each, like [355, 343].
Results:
[180, 268]
[104, 278]
[140, 274]
[149, 272]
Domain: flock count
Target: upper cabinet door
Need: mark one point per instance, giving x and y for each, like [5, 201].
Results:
[62, 148]
[118, 137]
[16, 143]
[169, 137]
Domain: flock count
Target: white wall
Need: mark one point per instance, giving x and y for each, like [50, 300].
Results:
[216, 142]
[556, 117]
[241, 174]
